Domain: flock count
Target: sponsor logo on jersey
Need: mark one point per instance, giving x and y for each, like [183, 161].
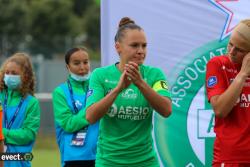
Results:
[229, 69]
[212, 81]
[129, 94]
[129, 112]
[110, 81]
[244, 100]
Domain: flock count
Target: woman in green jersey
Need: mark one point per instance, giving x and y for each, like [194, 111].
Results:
[123, 96]
[1, 133]
[21, 110]
[75, 137]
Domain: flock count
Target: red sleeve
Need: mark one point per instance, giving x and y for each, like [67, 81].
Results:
[216, 81]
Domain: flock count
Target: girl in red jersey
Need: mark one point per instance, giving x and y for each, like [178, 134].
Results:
[228, 91]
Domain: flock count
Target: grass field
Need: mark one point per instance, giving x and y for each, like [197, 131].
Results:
[46, 152]
[45, 157]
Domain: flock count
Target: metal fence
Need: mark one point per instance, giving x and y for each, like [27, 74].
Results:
[49, 74]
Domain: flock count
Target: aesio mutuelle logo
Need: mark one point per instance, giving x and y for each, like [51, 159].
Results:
[186, 138]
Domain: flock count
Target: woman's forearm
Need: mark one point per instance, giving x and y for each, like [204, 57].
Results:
[161, 104]
[224, 103]
[99, 109]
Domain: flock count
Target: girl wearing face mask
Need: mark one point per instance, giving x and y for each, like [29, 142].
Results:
[76, 139]
[21, 110]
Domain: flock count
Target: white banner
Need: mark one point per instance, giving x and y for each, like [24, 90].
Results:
[182, 36]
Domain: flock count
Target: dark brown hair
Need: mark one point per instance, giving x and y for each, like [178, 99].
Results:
[125, 24]
[70, 52]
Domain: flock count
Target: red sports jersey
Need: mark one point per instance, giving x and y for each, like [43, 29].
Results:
[232, 142]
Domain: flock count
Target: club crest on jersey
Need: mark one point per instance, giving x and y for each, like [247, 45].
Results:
[212, 81]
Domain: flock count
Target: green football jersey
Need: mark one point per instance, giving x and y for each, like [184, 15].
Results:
[125, 131]
[29, 128]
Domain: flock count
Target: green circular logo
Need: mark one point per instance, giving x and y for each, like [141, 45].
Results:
[28, 156]
[185, 139]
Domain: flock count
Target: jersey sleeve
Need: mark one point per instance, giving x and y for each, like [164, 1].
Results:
[216, 80]
[63, 115]
[29, 129]
[1, 123]
[96, 89]
[160, 84]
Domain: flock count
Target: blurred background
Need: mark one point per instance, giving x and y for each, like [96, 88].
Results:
[46, 29]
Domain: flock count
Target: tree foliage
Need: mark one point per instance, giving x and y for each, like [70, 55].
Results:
[93, 28]
[48, 27]
[14, 24]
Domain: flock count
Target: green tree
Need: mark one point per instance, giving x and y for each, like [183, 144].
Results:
[53, 26]
[93, 27]
[49, 27]
[13, 29]
[80, 6]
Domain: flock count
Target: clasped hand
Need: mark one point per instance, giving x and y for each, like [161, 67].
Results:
[131, 74]
[245, 68]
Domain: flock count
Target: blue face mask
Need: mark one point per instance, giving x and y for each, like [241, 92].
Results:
[12, 81]
[80, 77]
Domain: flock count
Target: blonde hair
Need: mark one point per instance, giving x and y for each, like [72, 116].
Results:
[27, 74]
[243, 29]
[246, 22]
